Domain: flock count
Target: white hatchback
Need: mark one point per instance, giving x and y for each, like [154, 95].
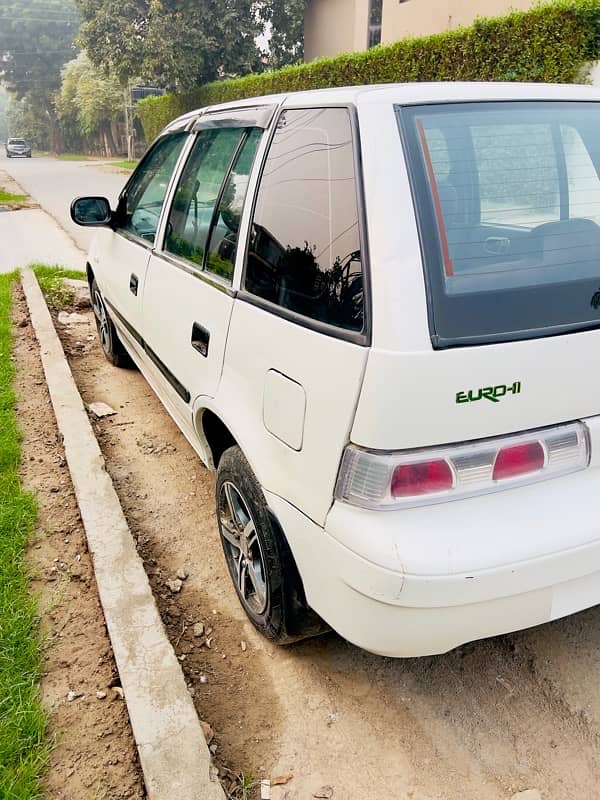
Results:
[375, 312]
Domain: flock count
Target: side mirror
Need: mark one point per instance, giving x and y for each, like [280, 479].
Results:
[91, 211]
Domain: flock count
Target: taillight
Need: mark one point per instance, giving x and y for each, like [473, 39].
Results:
[409, 480]
[518, 459]
[388, 480]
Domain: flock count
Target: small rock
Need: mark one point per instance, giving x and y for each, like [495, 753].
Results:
[324, 793]
[181, 574]
[101, 695]
[174, 586]
[71, 695]
[213, 748]
[100, 409]
[81, 292]
[208, 643]
[528, 794]
[203, 679]
[280, 780]
[198, 629]
[244, 646]
[69, 319]
[207, 730]
[118, 692]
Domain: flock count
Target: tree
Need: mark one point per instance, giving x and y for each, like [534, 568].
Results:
[286, 18]
[90, 101]
[24, 120]
[36, 39]
[175, 44]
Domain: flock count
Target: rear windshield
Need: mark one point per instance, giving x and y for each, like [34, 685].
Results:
[508, 203]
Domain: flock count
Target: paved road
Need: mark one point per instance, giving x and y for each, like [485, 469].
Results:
[55, 183]
[32, 236]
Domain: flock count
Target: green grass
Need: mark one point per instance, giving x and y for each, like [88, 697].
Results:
[56, 293]
[23, 750]
[125, 164]
[8, 199]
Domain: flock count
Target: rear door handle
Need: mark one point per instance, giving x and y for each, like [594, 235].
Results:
[200, 339]
[133, 284]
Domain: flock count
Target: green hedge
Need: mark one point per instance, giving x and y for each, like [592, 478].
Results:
[550, 43]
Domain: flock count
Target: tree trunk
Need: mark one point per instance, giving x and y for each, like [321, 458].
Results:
[109, 142]
[56, 140]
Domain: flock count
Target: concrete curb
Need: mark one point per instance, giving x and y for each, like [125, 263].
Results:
[173, 753]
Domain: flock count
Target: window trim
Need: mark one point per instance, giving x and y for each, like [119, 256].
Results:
[240, 117]
[363, 337]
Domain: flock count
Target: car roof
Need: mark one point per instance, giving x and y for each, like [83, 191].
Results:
[408, 94]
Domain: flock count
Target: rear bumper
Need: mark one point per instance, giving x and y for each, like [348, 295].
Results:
[423, 581]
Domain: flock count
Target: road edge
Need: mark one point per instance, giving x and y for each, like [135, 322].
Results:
[174, 756]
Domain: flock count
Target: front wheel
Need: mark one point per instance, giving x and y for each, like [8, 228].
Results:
[111, 344]
[258, 557]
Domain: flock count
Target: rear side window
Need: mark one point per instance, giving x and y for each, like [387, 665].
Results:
[304, 253]
[508, 201]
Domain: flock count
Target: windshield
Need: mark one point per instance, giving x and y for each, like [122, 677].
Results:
[508, 201]
[16, 141]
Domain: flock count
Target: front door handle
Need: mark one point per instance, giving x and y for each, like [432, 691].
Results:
[133, 284]
[200, 339]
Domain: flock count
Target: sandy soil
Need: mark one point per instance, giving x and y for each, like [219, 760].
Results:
[94, 757]
[484, 722]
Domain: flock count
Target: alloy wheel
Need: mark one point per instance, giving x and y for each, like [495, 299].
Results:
[242, 548]
[102, 321]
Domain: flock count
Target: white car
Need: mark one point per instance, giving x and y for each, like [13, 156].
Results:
[375, 312]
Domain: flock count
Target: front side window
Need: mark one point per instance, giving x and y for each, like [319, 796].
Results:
[204, 219]
[304, 253]
[508, 199]
[145, 192]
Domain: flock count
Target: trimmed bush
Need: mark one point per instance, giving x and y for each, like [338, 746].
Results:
[551, 43]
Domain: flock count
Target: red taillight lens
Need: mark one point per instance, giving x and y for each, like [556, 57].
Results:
[519, 459]
[424, 477]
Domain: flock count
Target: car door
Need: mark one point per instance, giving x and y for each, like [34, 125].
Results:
[297, 342]
[188, 296]
[120, 258]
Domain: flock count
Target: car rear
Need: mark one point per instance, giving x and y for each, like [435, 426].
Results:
[466, 498]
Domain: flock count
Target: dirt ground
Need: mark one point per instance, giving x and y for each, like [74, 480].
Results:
[94, 755]
[487, 721]
[12, 187]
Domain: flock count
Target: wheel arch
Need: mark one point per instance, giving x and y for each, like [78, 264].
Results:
[215, 438]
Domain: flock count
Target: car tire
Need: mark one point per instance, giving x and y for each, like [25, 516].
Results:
[258, 557]
[112, 346]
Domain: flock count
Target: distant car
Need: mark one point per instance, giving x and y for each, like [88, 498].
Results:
[17, 147]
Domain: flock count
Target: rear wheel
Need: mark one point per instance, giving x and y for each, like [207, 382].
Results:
[258, 557]
[111, 344]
